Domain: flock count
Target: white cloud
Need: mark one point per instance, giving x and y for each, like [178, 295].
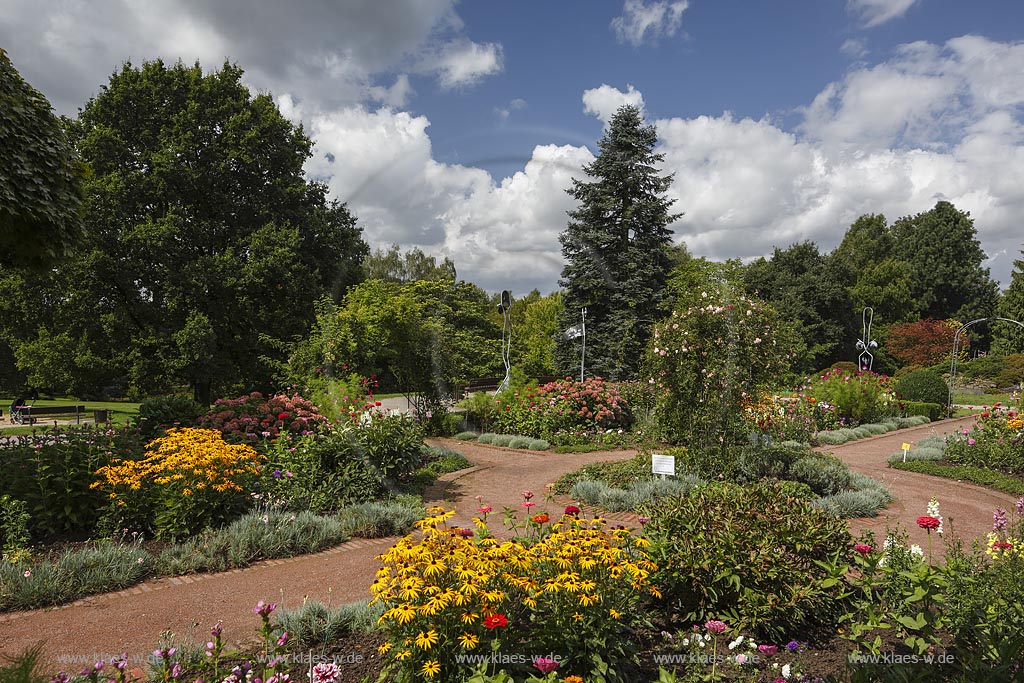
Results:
[505, 112]
[396, 96]
[605, 100]
[854, 47]
[462, 62]
[642, 21]
[876, 12]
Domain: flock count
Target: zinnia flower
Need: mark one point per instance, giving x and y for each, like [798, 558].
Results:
[495, 621]
[929, 523]
[545, 664]
[715, 626]
[572, 510]
[768, 650]
[862, 548]
[542, 518]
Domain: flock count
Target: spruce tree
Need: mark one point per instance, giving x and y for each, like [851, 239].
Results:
[1007, 337]
[616, 251]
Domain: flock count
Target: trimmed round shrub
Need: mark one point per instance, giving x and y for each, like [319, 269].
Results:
[466, 436]
[748, 555]
[486, 437]
[924, 386]
[539, 445]
[501, 440]
[520, 442]
[390, 443]
[163, 412]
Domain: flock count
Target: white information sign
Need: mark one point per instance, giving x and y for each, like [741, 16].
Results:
[663, 464]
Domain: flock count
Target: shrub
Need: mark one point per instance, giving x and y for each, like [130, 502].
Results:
[573, 592]
[865, 499]
[825, 474]
[520, 442]
[718, 556]
[707, 360]
[561, 406]
[758, 461]
[13, 527]
[620, 474]
[860, 397]
[248, 418]
[188, 479]
[923, 386]
[480, 410]
[466, 436]
[487, 438]
[52, 473]
[389, 443]
[933, 411]
[918, 453]
[997, 441]
[539, 445]
[1013, 373]
[317, 472]
[502, 440]
[705, 463]
[157, 414]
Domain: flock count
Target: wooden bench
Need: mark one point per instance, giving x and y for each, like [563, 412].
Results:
[31, 412]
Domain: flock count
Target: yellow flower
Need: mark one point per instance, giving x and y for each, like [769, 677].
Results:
[430, 668]
[468, 641]
[403, 654]
[614, 614]
[425, 641]
[383, 649]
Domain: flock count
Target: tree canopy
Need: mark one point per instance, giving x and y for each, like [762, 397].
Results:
[1007, 337]
[616, 250]
[40, 178]
[395, 266]
[208, 246]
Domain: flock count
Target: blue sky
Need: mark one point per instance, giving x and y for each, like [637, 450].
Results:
[456, 127]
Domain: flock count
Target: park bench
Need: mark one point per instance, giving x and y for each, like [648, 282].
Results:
[30, 413]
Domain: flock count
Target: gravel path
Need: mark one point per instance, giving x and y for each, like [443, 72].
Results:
[132, 620]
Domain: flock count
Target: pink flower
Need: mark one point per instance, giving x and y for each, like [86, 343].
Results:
[484, 509]
[862, 548]
[715, 626]
[528, 505]
[768, 650]
[545, 664]
[527, 495]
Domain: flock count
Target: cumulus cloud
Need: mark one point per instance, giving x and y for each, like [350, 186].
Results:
[605, 100]
[876, 12]
[463, 62]
[335, 54]
[641, 21]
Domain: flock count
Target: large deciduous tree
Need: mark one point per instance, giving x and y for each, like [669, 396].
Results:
[876, 277]
[40, 178]
[925, 342]
[208, 246]
[807, 288]
[616, 250]
[947, 279]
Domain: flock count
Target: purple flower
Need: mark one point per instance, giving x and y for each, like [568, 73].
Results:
[263, 609]
[999, 520]
[278, 474]
[715, 626]
[176, 670]
[283, 639]
[1020, 506]
[792, 646]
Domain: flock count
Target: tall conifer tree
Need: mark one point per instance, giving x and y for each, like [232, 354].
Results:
[616, 251]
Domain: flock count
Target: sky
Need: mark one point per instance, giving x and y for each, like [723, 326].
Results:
[456, 127]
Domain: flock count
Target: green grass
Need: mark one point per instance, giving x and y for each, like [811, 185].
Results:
[983, 399]
[975, 475]
[121, 412]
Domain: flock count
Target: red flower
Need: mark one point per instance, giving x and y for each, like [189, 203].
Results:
[542, 518]
[862, 548]
[928, 522]
[282, 416]
[572, 510]
[495, 621]
[1002, 545]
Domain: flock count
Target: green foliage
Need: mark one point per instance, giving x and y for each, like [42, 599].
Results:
[535, 328]
[394, 266]
[615, 249]
[860, 397]
[639, 493]
[25, 667]
[52, 472]
[760, 461]
[925, 386]
[825, 474]
[390, 444]
[13, 526]
[808, 288]
[40, 178]
[933, 411]
[480, 410]
[878, 278]
[425, 338]
[621, 474]
[174, 410]
[996, 442]
[563, 407]
[718, 556]
[207, 243]
[466, 436]
[708, 359]
[318, 472]
[976, 475]
[865, 499]
[502, 440]
[947, 277]
[1007, 337]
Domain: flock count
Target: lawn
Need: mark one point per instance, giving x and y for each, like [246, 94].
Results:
[120, 412]
[984, 399]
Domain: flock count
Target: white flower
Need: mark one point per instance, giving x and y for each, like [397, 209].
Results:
[916, 550]
[933, 511]
[736, 643]
[786, 670]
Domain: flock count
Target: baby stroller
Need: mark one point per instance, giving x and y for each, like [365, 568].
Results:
[18, 415]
